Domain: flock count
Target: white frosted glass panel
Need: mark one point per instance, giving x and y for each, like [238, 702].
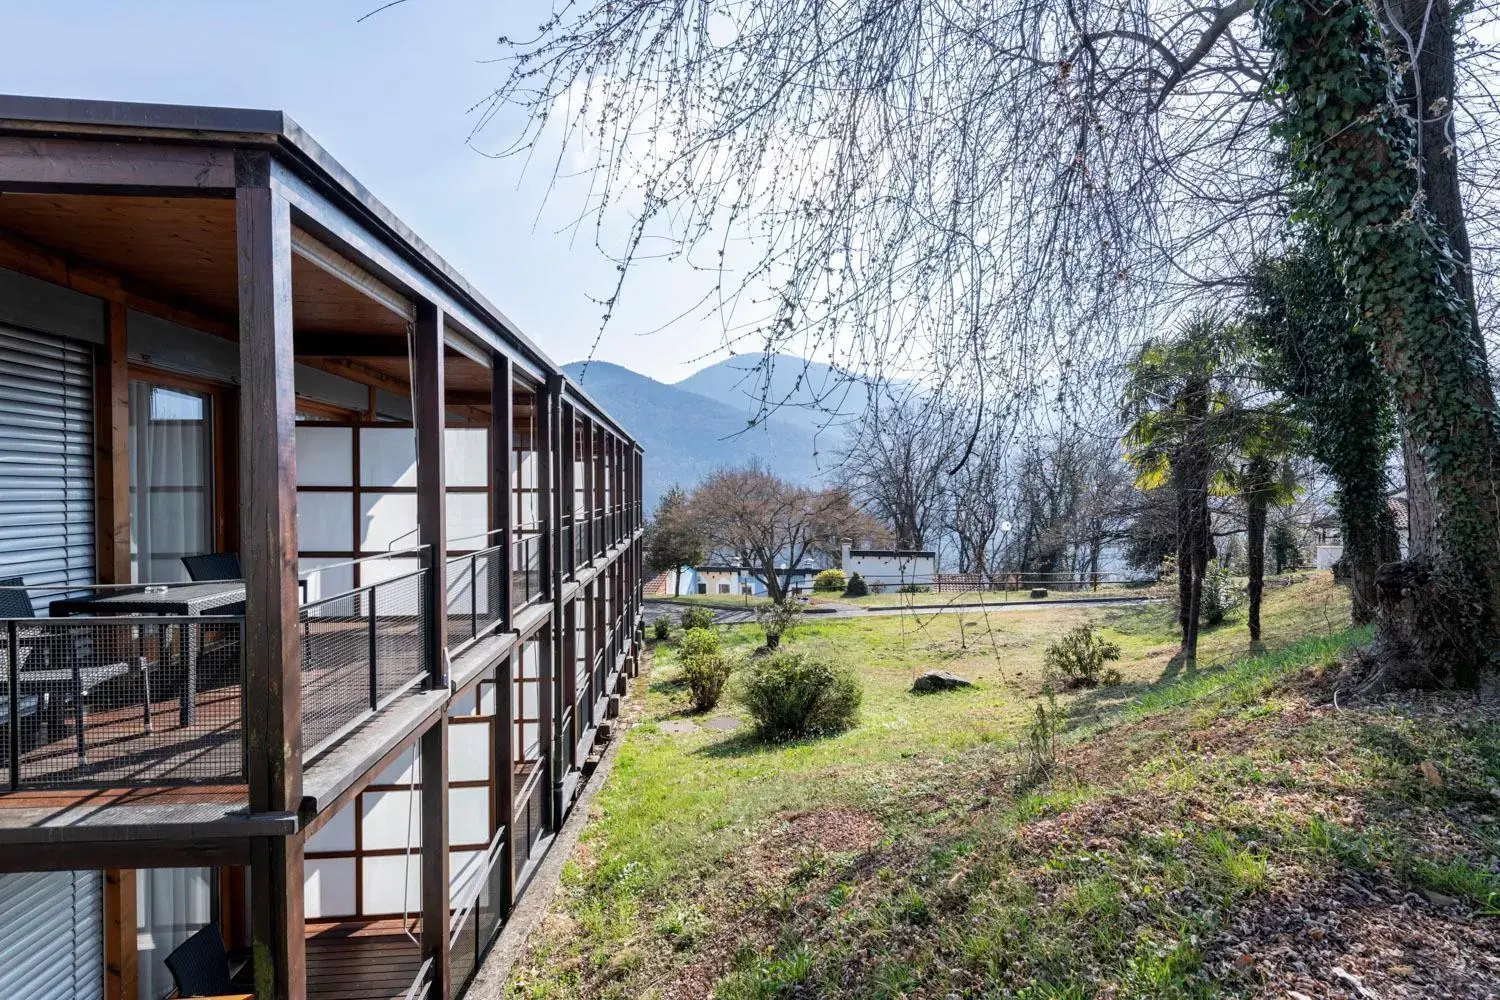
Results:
[464, 704]
[325, 521]
[531, 699]
[387, 822]
[319, 582]
[466, 456]
[527, 742]
[336, 835]
[468, 520]
[325, 456]
[462, 866]
[401, 772]
[328, 887]
[384, 877]
[468, 816]
[387, 456]
[487, 699]
[469, 752]
[387, 521]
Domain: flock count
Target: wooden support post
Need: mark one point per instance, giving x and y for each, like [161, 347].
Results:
[120, 975]
[549, 708]
[505, 777]
[552, 478]
[429, 414]
[436, 908]
[502, 492]
[268, 519]
[112, 450]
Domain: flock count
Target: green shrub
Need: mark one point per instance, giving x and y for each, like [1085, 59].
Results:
[661, 629]
[697, 618]
[857, 587]
[698, 642]
[794, 694]
[913, 588]
[830, 580]
[705, 675]
[1219, 596]
[1077, 659]
[777, 620]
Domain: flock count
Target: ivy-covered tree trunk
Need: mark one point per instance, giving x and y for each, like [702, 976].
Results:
[1356, 158]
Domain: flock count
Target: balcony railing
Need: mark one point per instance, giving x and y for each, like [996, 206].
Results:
[474, 594]
[476, 913]
[363, 648]
[121, 701]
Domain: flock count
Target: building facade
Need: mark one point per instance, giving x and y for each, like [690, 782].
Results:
[890, 569]
[318, 580]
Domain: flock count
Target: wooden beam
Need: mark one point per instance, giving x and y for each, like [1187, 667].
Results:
[364, 374]
[120, 975]
[328, 260]
[268, 512]
[350, 345]
[95, 167]
[18, 254]
[149, 852]
[112, 451]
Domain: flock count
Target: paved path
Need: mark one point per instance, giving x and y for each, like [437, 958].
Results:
[723, 616]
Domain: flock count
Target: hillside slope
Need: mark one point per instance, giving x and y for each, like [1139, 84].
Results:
[1224, 831]
[687, 436]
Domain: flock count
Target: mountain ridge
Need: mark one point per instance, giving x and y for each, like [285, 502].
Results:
[686, 435]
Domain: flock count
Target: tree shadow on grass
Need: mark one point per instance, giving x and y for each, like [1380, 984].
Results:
[1180, 665]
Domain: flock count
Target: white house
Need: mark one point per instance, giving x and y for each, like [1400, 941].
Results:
[890, 568]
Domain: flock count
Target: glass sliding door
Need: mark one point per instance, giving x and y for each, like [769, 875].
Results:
[171, 480]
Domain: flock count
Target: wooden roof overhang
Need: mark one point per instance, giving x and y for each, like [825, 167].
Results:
[139, 199]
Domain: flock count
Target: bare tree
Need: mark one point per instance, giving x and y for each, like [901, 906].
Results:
[897, 462]
[1009, 196]
[770, 525]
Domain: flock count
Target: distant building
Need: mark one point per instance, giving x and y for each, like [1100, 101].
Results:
[890, 568]
[732, 581]
[1330, 541]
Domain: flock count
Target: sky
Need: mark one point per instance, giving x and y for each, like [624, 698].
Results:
[390, 98]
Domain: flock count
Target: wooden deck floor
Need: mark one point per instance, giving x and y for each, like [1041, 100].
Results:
[372, 961]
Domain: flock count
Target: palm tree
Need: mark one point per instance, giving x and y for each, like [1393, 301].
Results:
[1181, 409]
[1261, 474]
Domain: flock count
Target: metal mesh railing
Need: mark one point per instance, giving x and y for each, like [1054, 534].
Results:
[143, 700]
[530, 817]
[360, 650]
[526, 571]
[474, 595]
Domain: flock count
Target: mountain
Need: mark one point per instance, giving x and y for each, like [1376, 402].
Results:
[812, 395]
[687, 435]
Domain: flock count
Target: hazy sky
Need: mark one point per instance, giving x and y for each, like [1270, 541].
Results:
[390, 99]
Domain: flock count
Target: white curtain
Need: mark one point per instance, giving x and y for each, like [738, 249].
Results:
[170, 905]
[170, 481]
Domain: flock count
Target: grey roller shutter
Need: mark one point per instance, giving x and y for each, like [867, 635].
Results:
[46, 459]
[51, 936]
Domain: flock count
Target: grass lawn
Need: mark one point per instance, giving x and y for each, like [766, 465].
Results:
[1195, 833]
[896, 600]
